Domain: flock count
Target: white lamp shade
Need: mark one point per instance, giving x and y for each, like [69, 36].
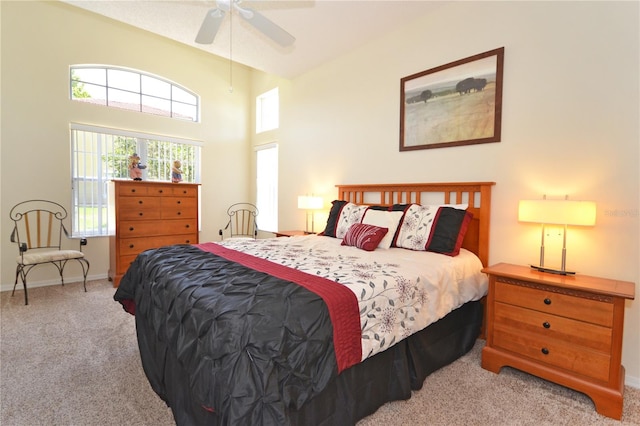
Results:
[307, 202]
[558, 212]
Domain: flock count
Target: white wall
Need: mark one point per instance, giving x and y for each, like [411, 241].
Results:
[569, 126]
[40, 40]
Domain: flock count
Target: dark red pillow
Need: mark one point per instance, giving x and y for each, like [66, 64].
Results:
[448, 231]
[363, 236]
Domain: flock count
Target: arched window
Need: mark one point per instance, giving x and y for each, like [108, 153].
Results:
[133, 90]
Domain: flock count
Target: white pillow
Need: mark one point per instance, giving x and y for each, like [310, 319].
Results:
[384, 219]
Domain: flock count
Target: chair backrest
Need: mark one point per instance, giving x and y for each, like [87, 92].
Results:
[38, 224]
[242, 221]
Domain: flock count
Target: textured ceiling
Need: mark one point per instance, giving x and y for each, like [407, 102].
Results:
[324, 29]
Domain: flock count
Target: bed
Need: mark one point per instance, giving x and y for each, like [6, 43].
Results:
[315, 330]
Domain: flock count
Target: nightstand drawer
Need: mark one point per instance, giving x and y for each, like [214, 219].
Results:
[554, 302]
[579, 333]
[554, 352]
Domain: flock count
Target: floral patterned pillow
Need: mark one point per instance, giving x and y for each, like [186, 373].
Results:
[350, 214]
[417, 224]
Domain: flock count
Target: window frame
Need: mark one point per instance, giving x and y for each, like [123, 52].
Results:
[267, 189]
[268, 111]
[96, 198]
[145, 97]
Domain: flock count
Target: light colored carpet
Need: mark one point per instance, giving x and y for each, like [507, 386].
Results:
[71, 358]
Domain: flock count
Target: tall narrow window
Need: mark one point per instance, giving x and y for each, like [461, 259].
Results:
[267, 111]
[133, 90]
[267, 187]
[99, 155]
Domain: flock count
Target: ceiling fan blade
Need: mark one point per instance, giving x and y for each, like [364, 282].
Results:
[210, 26]
[267, 27]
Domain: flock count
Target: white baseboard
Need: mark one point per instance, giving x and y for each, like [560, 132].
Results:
[634, 382]
[67, 279]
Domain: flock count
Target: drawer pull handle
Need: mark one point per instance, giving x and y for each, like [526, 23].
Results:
[131, 246]
[160, 191]
[545, 351]
[188, 226]
[140, 214]
[179, 202]
[547, 301]
[188, 241]
[139, 201]
[133, 190]
[546, 324]
[131, 228]
[179, 213]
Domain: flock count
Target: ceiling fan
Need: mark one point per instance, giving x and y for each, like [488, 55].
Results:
[214, 18]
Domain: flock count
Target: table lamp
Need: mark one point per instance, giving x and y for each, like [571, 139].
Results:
[310, 203]
[557, 212]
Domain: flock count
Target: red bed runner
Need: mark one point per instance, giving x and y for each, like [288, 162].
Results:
[341, 302]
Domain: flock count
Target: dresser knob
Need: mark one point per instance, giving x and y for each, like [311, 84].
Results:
[131, 246]
[140, 214]
[188, 241]
[131, 228]
[188, 226]
[139, 201]
[546, 324]
[179, 213]
[545, 351]
[179, 202]
[547, 301]
[160, 191]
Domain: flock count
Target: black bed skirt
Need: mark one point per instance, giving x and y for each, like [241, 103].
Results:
[360, 390]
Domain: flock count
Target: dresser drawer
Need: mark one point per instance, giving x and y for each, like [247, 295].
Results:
[129, 246]
[150, 228]
[131, 189]
[580, 333]
[178, 207]
[554, 302]
[139, 208]
[184, 191]
[124, 262]
[575, 359]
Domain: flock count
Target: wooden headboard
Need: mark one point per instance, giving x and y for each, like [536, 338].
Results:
[476, 194]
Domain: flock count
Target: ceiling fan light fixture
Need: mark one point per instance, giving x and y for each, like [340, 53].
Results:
[214, 17]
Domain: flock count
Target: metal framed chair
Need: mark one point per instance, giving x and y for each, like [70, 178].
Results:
[242, 221]
[38, 230]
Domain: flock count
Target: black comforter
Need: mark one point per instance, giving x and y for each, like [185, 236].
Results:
[249, 346]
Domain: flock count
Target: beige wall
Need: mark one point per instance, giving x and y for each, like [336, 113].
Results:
[570, 120]
[39, 43]
[569, 126]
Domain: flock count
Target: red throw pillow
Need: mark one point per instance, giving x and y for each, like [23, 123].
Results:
[363, 236]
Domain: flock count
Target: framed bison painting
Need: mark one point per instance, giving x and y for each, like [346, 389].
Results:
[459, 103]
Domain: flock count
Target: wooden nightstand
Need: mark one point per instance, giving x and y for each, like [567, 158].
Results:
[566, 329]
[291, 233]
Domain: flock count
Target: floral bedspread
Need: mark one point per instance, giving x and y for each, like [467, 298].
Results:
[399, 291]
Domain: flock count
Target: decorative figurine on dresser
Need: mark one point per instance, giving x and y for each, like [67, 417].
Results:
[176, 172]
[135, 168]
[148, 215]
[563, 328]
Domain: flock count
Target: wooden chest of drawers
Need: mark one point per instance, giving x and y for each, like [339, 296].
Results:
[148, 215]
[566, 329]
